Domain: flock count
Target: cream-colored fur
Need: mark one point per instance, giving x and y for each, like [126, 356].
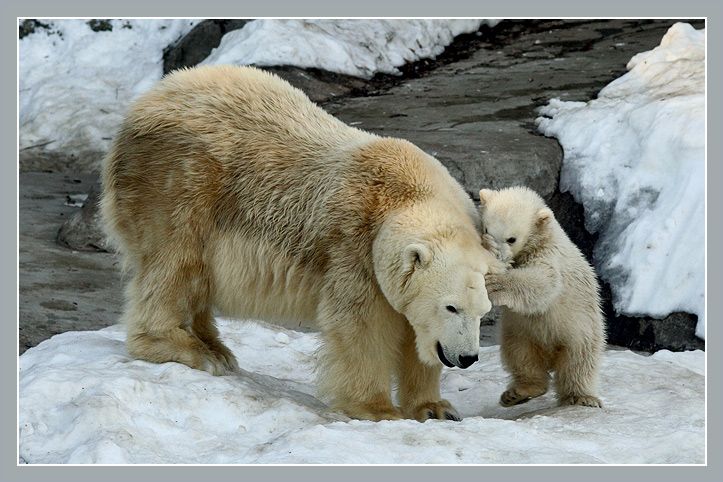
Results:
[551, 320]
[227, 189]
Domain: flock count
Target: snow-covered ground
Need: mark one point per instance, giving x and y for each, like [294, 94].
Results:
[84, 400]
[635, 159]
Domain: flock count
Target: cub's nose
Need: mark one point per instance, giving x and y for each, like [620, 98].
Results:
[465, 361]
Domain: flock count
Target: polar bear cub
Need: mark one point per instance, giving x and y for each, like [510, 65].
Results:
[551, 320]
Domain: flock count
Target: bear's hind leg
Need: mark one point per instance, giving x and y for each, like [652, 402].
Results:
[158, 322]
[204, 327]
[418, 385]
[576, 378]
[526, 363]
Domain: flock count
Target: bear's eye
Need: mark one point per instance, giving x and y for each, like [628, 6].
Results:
[511, 240]
[451, 309]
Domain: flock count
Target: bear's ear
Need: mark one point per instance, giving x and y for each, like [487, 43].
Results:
[416, 256]
[485, 195]
[544, 216]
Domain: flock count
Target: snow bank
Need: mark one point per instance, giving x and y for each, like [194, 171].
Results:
[635, 158]
[83, 400]
[353, 47]
[75, 83]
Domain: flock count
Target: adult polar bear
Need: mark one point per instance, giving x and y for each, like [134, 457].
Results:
[228, 189]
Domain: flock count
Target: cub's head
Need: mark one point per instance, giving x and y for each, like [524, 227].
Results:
[440, 289]
[515, 217]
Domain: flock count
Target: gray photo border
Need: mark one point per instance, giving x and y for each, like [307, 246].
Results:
[11, 9]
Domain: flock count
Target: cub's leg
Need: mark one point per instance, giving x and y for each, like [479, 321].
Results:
[418, 384]
[527, 365]
[358, 352]
[158, 318]
[576, 377]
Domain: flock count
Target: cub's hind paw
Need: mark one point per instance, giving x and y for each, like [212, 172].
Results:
[511, 397]
[518, 395]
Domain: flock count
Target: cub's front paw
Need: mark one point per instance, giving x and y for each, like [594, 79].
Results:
[441, 410]
[497, 267]
[489, 243]
[496, 284]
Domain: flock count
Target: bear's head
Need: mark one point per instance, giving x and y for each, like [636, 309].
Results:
[440, 288]
[515, 217]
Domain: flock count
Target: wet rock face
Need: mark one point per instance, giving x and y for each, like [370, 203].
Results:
[473, 108]
[676, 332]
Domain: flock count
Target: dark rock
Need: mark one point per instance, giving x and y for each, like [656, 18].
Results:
[319, 85]
[100, 25]
[571, 216]
[195, 46]
[82, 230]
[676, 332]
[27, 27]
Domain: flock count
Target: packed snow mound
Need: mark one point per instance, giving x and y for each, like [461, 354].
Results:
[83, 400]
[75, 83]
[353, 47]
[635, 158]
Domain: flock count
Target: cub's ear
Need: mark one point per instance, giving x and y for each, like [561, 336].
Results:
[485, 195]
[416, 256]
[544, 216]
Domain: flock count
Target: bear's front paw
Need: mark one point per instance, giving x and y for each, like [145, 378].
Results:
[440, 410]
[584, 400]
[374, 411]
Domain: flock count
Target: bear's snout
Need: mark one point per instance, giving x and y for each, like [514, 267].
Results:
[463, 361]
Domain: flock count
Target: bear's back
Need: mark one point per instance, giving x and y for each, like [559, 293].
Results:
[222, 105]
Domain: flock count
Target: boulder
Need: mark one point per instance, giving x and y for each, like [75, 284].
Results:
[82, 231]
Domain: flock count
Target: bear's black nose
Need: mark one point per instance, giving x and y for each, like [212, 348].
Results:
[465, 361]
